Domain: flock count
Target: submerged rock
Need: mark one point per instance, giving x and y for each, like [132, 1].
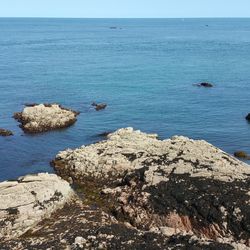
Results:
[27, 201]
[99, 106]
[5, 132]
[241, 154]
[182, 185]
[45, 117]
[248, 117]
[105, 134]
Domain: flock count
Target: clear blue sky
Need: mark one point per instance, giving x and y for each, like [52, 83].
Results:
[124, 8]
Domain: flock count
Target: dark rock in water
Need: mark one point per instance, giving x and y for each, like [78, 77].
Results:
[205, 84]
[30, 104]
[242, 155]
[5, 132]
[248, 117]
[105, 134]
[45, 117]
[99, 106]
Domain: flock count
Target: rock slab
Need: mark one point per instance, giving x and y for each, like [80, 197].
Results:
[25, 202]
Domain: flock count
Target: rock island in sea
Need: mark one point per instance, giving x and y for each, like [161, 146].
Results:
[39, 118]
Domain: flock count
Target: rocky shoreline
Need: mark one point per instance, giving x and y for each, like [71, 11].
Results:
[131, 190]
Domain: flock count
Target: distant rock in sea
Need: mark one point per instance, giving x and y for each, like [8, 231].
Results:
[99, 106]
[248, 117]
[5, 132]
[45, 117]
[29, 200]
[204, 84]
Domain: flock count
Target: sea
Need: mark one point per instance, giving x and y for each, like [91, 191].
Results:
[144, 69]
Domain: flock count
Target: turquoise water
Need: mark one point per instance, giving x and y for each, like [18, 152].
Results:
[143, 70]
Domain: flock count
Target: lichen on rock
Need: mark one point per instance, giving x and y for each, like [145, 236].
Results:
[45, 117]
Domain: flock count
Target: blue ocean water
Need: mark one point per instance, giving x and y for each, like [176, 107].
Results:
[144, 70]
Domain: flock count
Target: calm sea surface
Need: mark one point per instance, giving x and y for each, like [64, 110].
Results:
[143, 70]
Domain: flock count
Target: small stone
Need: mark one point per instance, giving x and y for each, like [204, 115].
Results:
[241, 154]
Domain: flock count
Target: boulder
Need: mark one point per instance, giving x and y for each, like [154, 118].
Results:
[28, 200]
[5, 132]
[180, 184]
[248, 117]
[45, 117]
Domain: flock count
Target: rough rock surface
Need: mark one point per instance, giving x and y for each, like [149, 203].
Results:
[181, 184]
[25, 202]
[45, 117]
[5, 132]
[79, 226]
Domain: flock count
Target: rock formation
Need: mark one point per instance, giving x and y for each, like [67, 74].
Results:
[5, 132]
[45, 117]
[25, 202]
[248, 117]
[179, 184]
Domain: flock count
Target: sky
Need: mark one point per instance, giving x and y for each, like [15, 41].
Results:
[125, 8]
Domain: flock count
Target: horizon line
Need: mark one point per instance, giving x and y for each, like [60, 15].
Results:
[54, 17]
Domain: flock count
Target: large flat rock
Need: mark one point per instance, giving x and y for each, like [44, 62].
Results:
[27, 201]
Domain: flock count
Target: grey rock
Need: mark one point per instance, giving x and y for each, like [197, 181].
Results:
[30, 199]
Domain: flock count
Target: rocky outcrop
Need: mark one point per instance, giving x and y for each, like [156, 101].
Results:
[5, 132]
[45, 117]
[175, 185]
[28, 200]
[248, 117]
[99, 106]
